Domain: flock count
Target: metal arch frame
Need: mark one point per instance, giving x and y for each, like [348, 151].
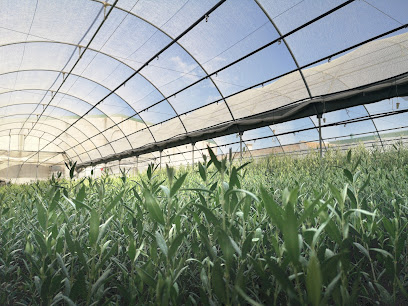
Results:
[70, 95]
[107, 55]
[157, 54]
[372, 121]
[54, 118]
[11, 91]
[294, 60]
[98, 52]
[238, 60]
[80, 54]
[44, 132]
[123, 63]
[181, 46]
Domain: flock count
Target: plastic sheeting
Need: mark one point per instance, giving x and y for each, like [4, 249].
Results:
[93, 81]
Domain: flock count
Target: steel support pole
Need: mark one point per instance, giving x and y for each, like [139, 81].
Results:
[240, 145]
[8, 159]
[160, 160]
[38, 158]
[192, 157]
[319, 117]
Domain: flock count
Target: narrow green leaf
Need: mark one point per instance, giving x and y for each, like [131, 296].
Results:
[246, 297]
[93, 227]
[348, 175]
[115, 201]
[314, 280]
[217, 282]
[101, 280]
[290, 234]
[175, 244]
[362, 250]
[177, 184]
[154, 210]
[161, 243]
[274, 211]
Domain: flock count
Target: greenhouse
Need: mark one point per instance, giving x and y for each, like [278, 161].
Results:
[203, 152]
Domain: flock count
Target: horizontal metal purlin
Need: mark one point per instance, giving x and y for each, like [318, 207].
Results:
[390, 88]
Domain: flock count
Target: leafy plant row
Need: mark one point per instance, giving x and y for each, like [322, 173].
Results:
[281, 231]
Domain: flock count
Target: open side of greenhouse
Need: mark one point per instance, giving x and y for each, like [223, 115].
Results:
[111, 84]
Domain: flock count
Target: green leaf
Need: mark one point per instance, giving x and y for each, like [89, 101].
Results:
[54, 201]
[81, 194]
[217, 282]
[226, 245]
[362, 250]
[290, 234]
[389, 227]
[132, 249]
[381, 251]
[161, 243]
[103, 228]
[202, 172]
[243, 166]
[146, 278]
[281, 276]
[113, 203]
[175, 244]
[101, 280]
[246, 247]
[348, 175]
[361, 211]
[246, 297]
[93, 227]
[179, 182]
[214, 159]
[330, 288]
[70, 243]
[274, 211]
[72, 170]
[234, 180]
[314, 280]
[42, 215]
[62, 265]
[208, 214]
[154, 210]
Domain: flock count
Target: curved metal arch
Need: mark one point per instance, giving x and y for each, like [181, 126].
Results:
[107, 55]
[54, 118]
[182, 47]
[69, 95]
[97, 148]
[294, 60]
[44, 132]
[88, 79]
[369, 115]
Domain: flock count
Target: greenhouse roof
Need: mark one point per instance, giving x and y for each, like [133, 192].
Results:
[106, 80]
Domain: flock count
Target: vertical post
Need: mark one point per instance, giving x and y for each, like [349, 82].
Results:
[38, 159]
[8, 162]
[192, 157]
[240, 145]
[319, 117]
[160, 159]
[137, 165]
